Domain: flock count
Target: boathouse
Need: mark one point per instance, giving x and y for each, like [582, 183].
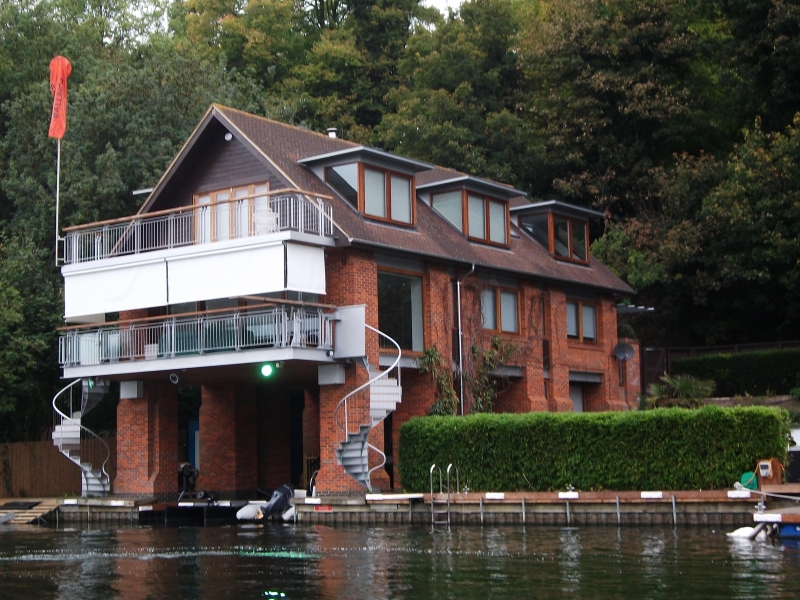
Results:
[295, 278]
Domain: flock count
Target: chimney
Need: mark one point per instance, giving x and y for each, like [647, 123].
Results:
[332, 132]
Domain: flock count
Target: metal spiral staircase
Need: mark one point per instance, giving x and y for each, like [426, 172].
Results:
[383, 393]
[68, 433]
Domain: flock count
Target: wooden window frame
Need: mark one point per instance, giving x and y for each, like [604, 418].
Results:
[465, 194]
[231, 202]
[551, 227]
[579, 338]
[498, 316]
[387, 199]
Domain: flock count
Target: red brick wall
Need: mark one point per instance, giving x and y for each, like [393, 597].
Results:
[147, 442]
[228, 439]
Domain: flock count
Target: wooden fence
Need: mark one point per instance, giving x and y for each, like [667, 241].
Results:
[38, 469]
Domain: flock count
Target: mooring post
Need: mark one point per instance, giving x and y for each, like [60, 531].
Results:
[618, 515]
[480, 502]
[568, 519]
[674, 512]
[523, 510]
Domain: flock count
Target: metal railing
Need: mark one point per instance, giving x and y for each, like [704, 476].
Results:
[278, 327]
[244, 217]
[63, 414]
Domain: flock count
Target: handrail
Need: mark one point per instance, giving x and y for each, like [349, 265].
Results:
[381, 374]
[89, 431]
[170, 336]
[237, 218]
[178, 209]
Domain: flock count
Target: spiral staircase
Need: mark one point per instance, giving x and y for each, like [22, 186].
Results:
[69, 433]
[383, 393]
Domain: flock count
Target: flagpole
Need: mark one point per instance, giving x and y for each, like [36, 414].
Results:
[58, 180]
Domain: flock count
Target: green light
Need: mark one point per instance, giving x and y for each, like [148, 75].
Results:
[267, 370]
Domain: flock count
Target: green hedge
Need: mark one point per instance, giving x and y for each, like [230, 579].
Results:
[662, 449]
[752, 373]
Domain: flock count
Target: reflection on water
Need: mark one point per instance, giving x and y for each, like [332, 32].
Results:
[392, 562]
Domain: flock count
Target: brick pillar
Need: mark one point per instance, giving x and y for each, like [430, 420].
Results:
[228, 433]
[147, 441]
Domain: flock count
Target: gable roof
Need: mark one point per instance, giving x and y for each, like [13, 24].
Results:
[283, 148]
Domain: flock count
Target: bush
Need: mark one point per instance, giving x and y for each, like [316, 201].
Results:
[672, 449]
[746, 373]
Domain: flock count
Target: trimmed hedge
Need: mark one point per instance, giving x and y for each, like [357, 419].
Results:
[662, 449]
[752, 373]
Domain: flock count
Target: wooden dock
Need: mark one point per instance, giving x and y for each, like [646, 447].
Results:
[28, 513]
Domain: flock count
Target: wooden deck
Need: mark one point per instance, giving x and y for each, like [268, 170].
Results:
[29, 516]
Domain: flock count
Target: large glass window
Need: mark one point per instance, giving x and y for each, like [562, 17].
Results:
[476, 210]
[539, 227]
[568, 239]
[449, 206]
[400, 309]
[344, 179]
[581, 321]
[497, 222]
[375, 193]
[401, 199]
[499, 307]
[486, 219]
[226, 214]
[489, 308]
[385, 195]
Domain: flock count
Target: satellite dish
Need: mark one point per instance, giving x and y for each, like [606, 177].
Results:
[623, 351]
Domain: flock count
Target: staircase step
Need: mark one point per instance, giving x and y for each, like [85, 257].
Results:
[66, 431]
[384, 382]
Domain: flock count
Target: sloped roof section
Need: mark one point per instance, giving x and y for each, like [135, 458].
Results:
[434, 237]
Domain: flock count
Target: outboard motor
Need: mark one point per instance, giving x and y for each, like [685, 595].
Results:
[279, 503]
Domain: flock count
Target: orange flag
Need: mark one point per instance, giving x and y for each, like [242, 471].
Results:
[60, 69]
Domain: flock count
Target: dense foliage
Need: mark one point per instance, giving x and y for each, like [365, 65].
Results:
[661, 449]
[676, 117]
[748, 373]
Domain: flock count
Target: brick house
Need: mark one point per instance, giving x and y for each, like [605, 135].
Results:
[279, 270]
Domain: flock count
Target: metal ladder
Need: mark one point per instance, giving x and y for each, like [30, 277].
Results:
[436, 513]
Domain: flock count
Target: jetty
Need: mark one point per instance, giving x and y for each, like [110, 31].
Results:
[657, 507]
[27, 511]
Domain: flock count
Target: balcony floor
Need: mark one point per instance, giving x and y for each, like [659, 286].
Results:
[240, 366]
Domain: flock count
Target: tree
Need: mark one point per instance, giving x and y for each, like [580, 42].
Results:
[721, 259]
[618, 88]
[460, 94]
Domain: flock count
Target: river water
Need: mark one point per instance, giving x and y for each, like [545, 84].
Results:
[321, 562]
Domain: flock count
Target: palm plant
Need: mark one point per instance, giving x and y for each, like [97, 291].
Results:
[684, 391]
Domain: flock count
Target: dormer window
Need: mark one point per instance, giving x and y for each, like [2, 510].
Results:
[481, 217]
[375, 192]
[569, 238]
[564, 234]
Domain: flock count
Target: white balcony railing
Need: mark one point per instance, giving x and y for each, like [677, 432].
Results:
[278, 327]
[255, 215]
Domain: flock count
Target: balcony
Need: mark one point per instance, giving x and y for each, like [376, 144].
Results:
[198, 340]
[258, 244]
[244, 217]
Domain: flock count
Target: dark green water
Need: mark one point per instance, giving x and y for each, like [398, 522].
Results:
[392, 562]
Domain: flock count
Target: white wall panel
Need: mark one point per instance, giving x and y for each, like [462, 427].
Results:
[190, 275]
[225, 274]
[122, 287]
[305, 268]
